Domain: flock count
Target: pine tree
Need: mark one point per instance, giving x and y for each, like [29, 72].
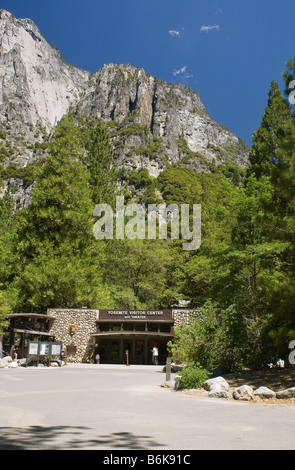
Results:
[98, 161]
[60, 257]
[289, 77]
[8, 258]
[263, 156]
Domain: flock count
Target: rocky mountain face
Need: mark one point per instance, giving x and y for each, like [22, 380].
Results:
[151, 122]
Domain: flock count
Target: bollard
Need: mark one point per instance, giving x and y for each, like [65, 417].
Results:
[168, 369]
[127, 357]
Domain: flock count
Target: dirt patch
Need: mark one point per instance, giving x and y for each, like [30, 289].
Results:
[275, 379]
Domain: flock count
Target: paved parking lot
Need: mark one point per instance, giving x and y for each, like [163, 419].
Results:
[124, 408]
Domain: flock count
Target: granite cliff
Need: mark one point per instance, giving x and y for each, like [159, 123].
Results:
[151, 122]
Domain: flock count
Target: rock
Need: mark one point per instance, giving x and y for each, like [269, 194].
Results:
[22, 362]
[285, 394]
[37, 88]
[218, 392]
[13, 365]
[264, 392]
[167, 384]
[245, 393]
[176, 368]
[217, 388]
[5, 361]
[175, 383]
[216, 383]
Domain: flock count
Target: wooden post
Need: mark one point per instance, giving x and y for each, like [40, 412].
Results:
[168, 369]
[127, 357]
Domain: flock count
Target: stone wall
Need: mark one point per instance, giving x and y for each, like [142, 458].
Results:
[85, 322]
[181, 316]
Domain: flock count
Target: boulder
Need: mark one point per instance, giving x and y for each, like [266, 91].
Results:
[216, 383]
[175, 385]
[264, 392]
[22, 362]
[13, 365]
[176, 368]
[285, 394]
[245, 393]
[217, 388]
[5, 361]
[219, 392]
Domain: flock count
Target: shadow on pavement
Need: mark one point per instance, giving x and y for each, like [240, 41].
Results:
[70, 438]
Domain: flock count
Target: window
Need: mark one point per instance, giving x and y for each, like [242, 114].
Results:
[7, 338]
[153, 327]
[116, 326]
[165, 328]
[104, 327]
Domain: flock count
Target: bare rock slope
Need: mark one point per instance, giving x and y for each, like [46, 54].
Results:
[151, 122]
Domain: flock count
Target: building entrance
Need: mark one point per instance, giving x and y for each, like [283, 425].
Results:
[134, 331]
[110, 352]
[139, 350]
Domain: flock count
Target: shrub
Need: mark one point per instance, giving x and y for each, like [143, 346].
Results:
[192, 376]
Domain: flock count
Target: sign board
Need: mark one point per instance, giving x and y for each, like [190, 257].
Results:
[56, 349]
[33, 349]
[43, 349]
[138, 315]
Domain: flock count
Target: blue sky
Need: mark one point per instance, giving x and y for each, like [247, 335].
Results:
[227, 50]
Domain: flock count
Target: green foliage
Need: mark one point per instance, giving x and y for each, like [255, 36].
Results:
[192, 376]
[5, 309]
[232, 339]
[198, 343]
[143, 274]
[59, 261]
[145, 185]
[242, 277]
[99, 158]
[268, 137]
[8, 258]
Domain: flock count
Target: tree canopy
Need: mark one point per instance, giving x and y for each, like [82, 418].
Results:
[242, 277]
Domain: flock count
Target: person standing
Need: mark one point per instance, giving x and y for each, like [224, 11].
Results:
[155, 352]
[97, 354]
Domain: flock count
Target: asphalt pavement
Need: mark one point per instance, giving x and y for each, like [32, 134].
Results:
[115, 407]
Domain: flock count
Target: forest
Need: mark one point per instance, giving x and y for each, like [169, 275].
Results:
[241, 278]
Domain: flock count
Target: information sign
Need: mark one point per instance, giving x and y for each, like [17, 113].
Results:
[43, 349]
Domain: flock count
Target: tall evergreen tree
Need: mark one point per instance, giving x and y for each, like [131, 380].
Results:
[267, 138]
[99, 163]
[60, 259]
[289, 77]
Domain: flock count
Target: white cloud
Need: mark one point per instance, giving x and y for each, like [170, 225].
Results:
[182, 72]
[206, 29]
[174, 33]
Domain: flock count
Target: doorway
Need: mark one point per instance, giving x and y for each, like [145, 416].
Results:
[110, 352]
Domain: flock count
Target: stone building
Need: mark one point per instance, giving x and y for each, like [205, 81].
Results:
[115, 333]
